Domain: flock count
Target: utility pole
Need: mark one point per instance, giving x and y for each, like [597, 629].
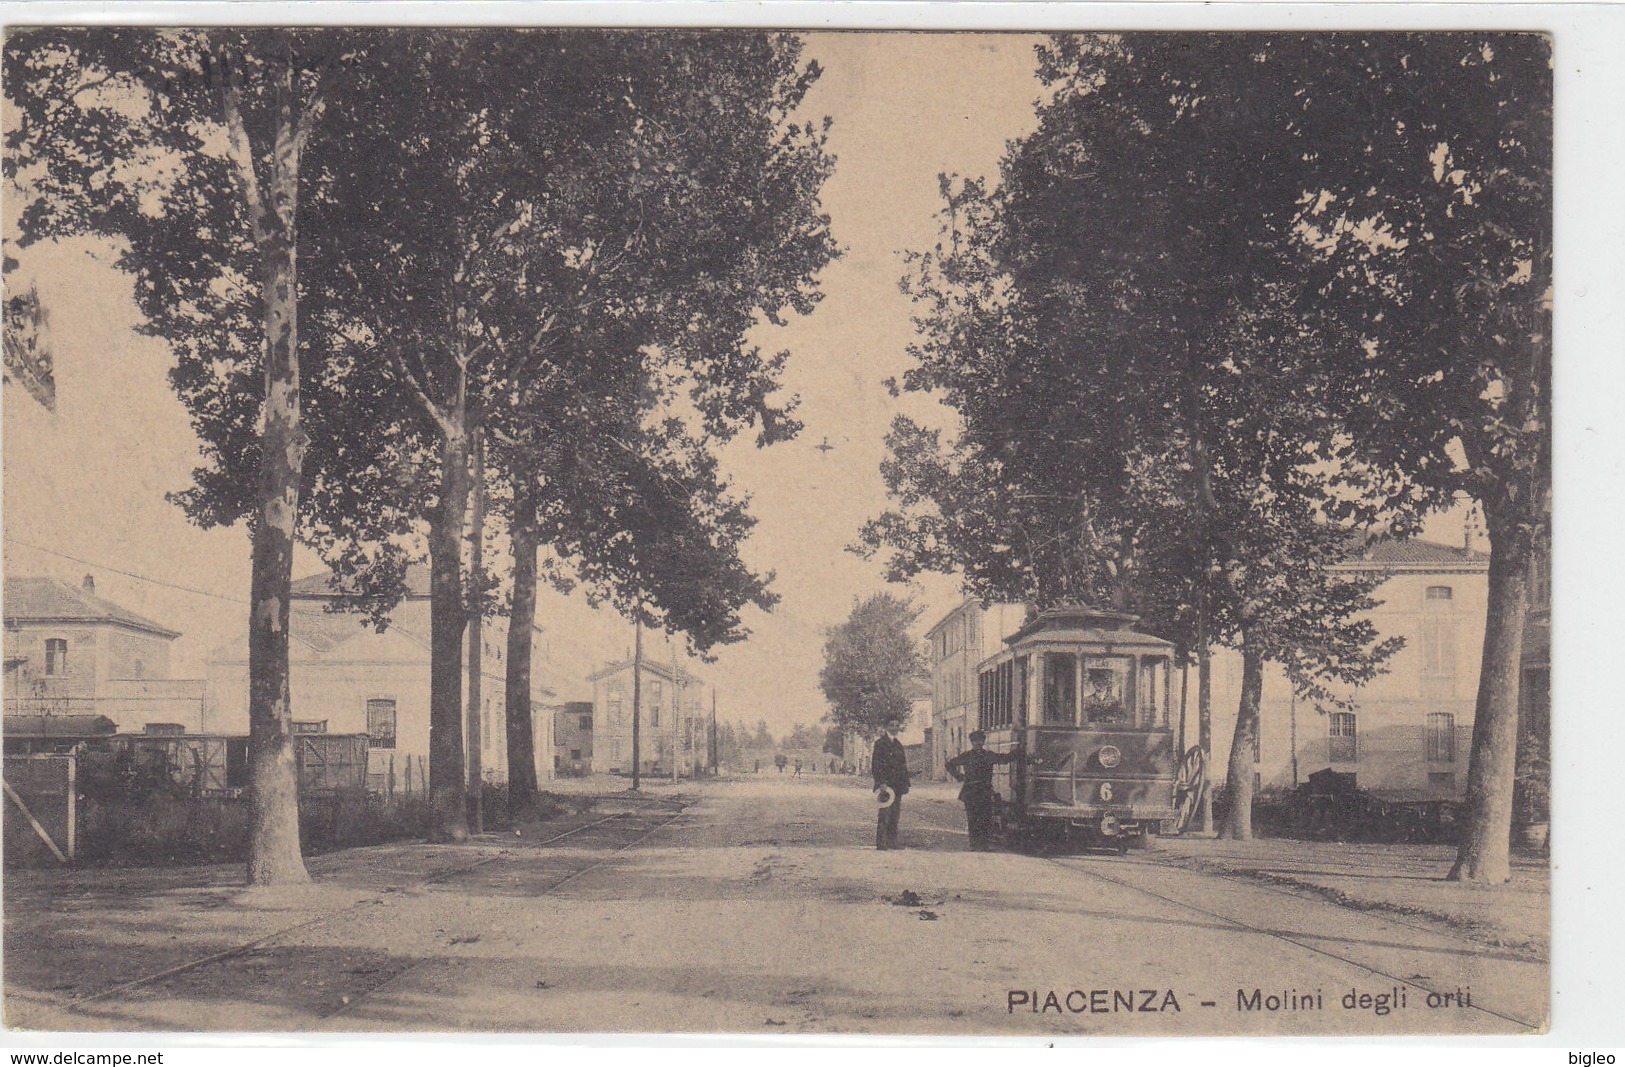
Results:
[476, 772]
[712, 746]
[637, 692]
[676, 713]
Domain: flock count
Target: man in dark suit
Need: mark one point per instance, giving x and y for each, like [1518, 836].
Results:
[975, 769]
[890, 766]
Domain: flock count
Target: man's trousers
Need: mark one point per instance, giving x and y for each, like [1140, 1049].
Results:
[886, 824]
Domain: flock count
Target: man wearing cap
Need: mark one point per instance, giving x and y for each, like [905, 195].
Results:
[975, 770]
[890, 766]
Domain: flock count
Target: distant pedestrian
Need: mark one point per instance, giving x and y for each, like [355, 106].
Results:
[758, 769]
[890, 765]
[832, 765]
[975, 769]
[798, 770]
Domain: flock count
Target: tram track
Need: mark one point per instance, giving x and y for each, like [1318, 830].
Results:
[270, 939]
[1300, 942]
[350, 1002]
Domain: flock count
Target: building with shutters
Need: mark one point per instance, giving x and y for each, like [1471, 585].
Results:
[1407, 734]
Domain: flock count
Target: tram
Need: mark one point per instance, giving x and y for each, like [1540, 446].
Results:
[1089, 698]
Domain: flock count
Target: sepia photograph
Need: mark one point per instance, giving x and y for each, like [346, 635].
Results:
[778, 531]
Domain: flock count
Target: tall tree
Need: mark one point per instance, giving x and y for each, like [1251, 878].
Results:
[1427, 232]
[1114, 327]
[187, 147]
[872, 664]
[569, 256]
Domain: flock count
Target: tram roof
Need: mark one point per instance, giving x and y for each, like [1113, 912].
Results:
[1082, 625]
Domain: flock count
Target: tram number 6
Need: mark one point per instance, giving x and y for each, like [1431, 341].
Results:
[1106, 791]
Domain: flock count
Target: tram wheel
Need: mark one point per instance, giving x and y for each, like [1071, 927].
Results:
[1188, 788]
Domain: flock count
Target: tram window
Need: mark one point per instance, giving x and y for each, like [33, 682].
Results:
[1060, 687]
[1021, 690]
[1153, 692]
[1106, 689]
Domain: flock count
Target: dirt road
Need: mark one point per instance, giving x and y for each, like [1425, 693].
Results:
[760, 906]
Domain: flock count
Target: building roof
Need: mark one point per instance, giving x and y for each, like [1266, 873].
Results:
[320, 586]
[50, 600]
[650, 666]
[958, 609]
[1414, 555]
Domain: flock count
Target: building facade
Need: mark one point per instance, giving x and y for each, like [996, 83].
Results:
[955, 646]
[572, 738]
[71, 652]
[674, 713]
[347, 678]
[1406, 734]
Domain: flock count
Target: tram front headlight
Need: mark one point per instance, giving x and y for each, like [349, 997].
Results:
[1109, 756]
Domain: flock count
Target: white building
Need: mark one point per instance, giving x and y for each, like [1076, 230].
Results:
[71, 652]
[674, 718]
[347, 678]
[1408, 732]
[955, 646]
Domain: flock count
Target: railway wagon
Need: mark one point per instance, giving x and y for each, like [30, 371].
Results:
[1088, 700]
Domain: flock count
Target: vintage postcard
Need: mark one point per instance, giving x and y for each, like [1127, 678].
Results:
[778, 532]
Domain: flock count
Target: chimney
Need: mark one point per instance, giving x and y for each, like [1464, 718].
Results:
[89, 584]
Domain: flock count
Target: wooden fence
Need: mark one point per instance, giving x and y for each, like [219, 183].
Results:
[40, 803]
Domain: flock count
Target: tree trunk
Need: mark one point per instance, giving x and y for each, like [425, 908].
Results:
[1238, 819]
[1204, 727]
[476, 645]
[1483, 855]
[447, 620]
[521, 736]
[274, 855]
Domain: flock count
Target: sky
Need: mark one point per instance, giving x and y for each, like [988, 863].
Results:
[85, 489]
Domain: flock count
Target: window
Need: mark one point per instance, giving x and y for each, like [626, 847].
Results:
[1440, 592]
[575, 753]
[380, 724]
[1153, 692]
[163, 729]
[1106, 689]
[56, 656]
[654, 715]
[1438, 647]
[586, 723]
[1022, 667]
[615, 711]
[1441, 738]
[1442, 780]
[1341, 739]
[1060, 687]
[654, 693]
[310, 726]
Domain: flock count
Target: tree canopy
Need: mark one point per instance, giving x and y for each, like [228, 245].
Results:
[873, 666]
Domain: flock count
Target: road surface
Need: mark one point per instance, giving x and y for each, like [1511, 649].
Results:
[759, 906]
